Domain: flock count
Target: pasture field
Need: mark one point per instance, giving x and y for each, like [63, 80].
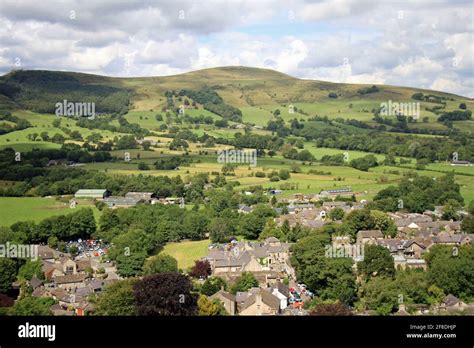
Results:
[187, 252]
[14, 209]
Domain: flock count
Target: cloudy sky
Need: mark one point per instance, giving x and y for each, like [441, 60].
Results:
[424, 43]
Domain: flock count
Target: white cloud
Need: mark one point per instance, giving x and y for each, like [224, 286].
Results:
[139, 38]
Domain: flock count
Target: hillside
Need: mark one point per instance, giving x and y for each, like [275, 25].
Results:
[239, 86]
[257, 93]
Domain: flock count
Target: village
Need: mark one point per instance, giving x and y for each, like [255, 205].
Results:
[74, 280]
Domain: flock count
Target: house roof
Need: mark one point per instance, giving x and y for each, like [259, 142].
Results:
[451, 300]
[334, 204]
[35, 282]
[267, 297]
[272, 240]
[282, 288]
[70, 278]
[120, 201]
[91, 192]
[139, 195]
[370, 233]
[223, 294]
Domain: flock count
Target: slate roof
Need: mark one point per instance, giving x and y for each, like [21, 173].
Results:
[370, 233]
[70, 278]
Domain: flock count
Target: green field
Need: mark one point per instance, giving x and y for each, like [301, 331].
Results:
[14, 209]
[187, 252]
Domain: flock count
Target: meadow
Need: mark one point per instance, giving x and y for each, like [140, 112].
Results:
[186, 252]
[14, 209]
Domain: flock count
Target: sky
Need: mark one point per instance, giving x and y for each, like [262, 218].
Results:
[425, 43]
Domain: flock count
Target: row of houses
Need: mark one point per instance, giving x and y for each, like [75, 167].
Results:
[71, 280]
[268, 261]
[308, 215]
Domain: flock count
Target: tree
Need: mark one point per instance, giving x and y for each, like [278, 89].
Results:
[143, 166]
[159, 264]
[467, 224]
[44, 136]
[331, 309]
[166, 293]
[6, 301]
[220, 230]
[450, 210]
[246, 281]
[357, 220]
[384, 223]
[213, 285]
[31, 269]
[117, 299]
[271, 230]
[284, 174]
[7, 273]
[29, 306]
[380, 294]
[201, 269]
[252, 224]
[452, 269]
[130, 265]
[336, 214]
[208, 307]
[377, 262]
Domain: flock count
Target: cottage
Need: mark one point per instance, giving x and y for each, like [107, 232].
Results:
[263, 302]
[227, 299]
[452, 303]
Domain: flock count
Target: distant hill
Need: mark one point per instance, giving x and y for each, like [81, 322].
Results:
[241, 87]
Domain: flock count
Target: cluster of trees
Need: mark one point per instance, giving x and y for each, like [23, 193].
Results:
[201, 119]
[303, 155]
[165, 293]
[44, 181]
[427, 148]
[20, 123]
[31, 168]
[39, 91]
[361, 163]
[171, 163]
[418, 193]
[430, 98]
[211, 101]
[105, 122]
[456, 115]
[368, 90]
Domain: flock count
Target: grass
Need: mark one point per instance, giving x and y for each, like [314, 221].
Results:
[187, 252]
[14, 209]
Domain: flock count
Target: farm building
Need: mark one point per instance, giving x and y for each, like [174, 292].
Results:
[140, 196]
[97, 193]
[120, 202]
[341, 191]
